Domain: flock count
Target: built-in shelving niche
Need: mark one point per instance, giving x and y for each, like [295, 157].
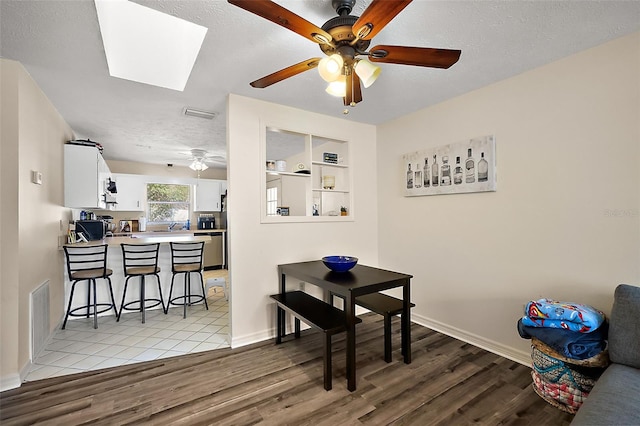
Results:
[301, 183]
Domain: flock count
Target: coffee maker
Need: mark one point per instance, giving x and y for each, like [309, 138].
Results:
[109, 226]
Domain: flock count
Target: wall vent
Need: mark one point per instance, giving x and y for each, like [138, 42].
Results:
[39, 307]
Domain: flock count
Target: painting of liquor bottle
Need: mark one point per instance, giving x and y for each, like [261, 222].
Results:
[454, 168]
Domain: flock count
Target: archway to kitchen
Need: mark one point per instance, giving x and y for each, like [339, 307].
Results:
[80, 348]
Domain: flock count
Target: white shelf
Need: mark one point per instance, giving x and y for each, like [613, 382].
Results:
[344, 191]
[275, 172]
[322, 163]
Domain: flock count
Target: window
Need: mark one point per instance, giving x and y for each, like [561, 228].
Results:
[272, 201]
[168, 202]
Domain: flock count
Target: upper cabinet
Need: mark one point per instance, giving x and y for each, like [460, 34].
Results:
[132, 192]
[207, 195]
[306, 177]
[86, 176]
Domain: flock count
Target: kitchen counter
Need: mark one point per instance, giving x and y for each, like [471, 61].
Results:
[147, 238]
[176, 232]
[115, 263]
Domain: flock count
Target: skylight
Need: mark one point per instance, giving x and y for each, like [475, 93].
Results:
[147, 46]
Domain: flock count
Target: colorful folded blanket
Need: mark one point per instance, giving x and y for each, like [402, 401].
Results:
[570, 398]
[571, 344]
[569, 316]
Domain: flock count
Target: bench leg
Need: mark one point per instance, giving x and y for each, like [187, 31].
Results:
[327, 361]
[297, 328]
[387, 338]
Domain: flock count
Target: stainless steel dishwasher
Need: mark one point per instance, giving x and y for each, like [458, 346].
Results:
[213, 251]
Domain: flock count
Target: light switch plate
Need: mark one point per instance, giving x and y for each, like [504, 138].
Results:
[36, 177]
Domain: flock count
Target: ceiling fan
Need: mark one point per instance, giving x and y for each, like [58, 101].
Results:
[343, 39]
[200, 158]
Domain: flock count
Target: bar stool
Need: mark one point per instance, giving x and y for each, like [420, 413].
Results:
[186, 258]
[88, 263]
[140, 260]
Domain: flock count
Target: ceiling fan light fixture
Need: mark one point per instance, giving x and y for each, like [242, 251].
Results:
[330, 67]
[367, 72]
[338, 87]
[198, 165]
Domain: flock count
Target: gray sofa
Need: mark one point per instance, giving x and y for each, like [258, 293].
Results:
[615, 399]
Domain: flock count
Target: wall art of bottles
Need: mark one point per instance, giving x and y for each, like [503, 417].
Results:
[455, 168]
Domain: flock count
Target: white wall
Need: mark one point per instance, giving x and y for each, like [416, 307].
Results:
[137, 168]
[30, 250]
[255, 249]
[565, 221]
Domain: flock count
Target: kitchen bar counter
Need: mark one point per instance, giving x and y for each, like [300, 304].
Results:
[147, 238]
[115, 262]
[176, 232]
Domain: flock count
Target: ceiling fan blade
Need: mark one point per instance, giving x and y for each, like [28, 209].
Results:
[285, 73]
[284, 17]
[377, 15]
[419, 56]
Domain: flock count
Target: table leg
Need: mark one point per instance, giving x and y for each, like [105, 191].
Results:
[350, 311]
[280, 325]
[406, 322]
[280, 332]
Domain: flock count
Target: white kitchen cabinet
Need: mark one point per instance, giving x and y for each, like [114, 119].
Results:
[207, 195]
[132, 192]
[85, 176]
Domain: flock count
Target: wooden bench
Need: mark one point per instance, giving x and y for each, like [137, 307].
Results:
[386, 306]
[315, 313]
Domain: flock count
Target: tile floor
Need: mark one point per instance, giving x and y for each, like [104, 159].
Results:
[80, 348]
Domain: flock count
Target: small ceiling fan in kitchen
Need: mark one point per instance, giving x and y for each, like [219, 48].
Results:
[200, 158]
[344, 39]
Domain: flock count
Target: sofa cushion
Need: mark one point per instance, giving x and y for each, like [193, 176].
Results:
[613, 400]
[624, 327]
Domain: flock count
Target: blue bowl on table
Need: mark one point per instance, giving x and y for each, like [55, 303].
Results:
[339, 263]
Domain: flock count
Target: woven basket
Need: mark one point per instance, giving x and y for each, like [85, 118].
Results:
[559, 405]
[601, 360]
[555, 371]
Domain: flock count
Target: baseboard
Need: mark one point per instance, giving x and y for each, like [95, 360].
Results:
[10, 381]
[26, 369]
[263, 335]
[249, 339]
[515, 355]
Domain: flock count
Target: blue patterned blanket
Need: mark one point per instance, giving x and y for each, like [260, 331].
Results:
[569, 316]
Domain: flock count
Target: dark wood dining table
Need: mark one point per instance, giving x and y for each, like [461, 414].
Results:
[348, 285]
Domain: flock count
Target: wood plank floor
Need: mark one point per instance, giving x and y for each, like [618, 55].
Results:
[449, 382]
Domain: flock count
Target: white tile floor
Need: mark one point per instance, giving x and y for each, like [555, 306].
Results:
[80, 348]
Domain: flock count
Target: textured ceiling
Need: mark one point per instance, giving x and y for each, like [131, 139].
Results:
[59, 44]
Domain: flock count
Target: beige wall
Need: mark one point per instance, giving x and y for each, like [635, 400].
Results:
[135, 168]
[255, 249]
[565, 220]
[9, 289]
[34, 140]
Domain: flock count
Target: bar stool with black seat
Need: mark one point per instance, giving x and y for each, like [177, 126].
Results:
[186, 258]
[140, 260]
[88, 263]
